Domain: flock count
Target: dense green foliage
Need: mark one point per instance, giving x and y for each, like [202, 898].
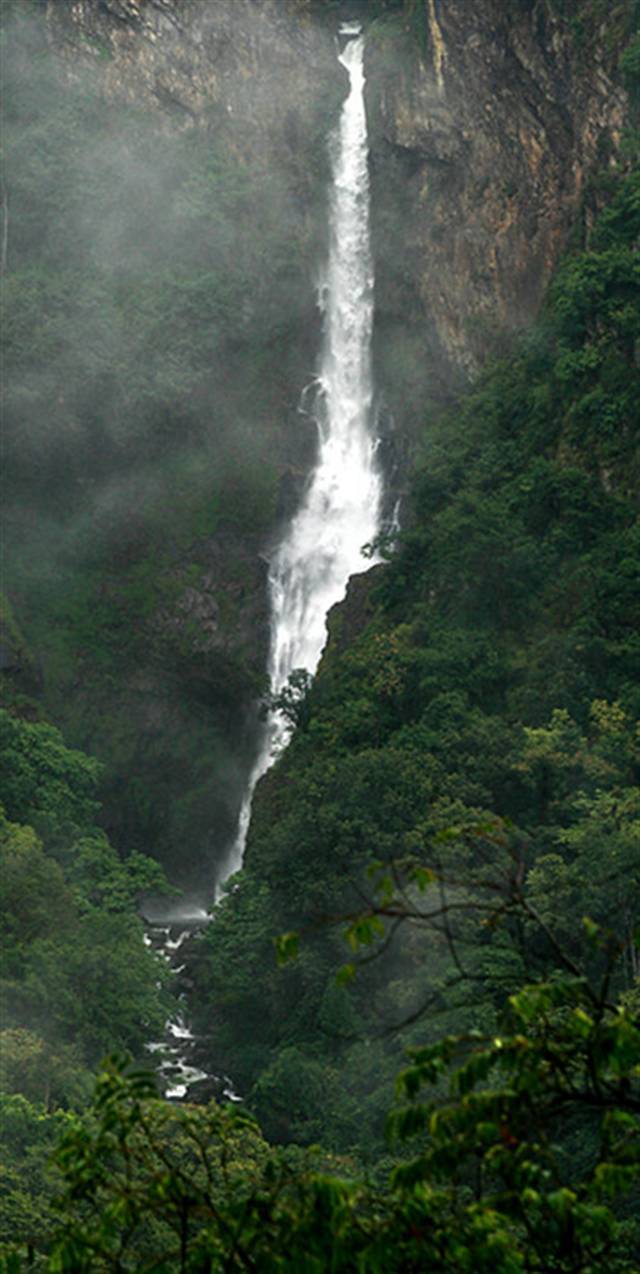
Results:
[75, 976]
[461, 801]
[75, 973]
[483, 723]
[146, 1187]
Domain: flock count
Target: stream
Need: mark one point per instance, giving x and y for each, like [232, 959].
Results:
[175, 937]
[322, 546]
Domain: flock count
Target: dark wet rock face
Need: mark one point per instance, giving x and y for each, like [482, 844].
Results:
[232, 65]
[486, 138]
[486, 128]
[179, 606]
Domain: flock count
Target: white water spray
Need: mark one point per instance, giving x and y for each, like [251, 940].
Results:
[341, 510]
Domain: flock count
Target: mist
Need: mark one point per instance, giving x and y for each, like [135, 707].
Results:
[160, 325]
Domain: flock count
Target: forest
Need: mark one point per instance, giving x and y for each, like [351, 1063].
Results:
[425, 980]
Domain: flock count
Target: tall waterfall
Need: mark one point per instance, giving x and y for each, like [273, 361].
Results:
[340, 513]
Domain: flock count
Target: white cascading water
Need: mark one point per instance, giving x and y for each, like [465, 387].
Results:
[340, 513]
[341, 510]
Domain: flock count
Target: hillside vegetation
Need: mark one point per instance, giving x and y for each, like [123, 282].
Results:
[461, 801]
[483, 725]
[425, 980]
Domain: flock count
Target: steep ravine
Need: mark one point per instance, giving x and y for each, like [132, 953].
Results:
[486, 129]
[183, 236]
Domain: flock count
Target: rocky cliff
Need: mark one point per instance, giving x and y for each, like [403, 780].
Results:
[489, 125]
[248, 70]
[166, 473]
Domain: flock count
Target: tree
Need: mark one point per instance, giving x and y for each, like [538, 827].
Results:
[43, 782]
[489, 1186]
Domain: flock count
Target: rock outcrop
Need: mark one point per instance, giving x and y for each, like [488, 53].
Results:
[487, 125]
[249, 70]
[487, 132]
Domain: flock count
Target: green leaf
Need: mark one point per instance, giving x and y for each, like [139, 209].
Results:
[287, 945]
[346, 974]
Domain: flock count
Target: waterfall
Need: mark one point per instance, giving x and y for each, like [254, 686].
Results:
[340, 512]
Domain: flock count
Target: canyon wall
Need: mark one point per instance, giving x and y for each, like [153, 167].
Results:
[488, 125]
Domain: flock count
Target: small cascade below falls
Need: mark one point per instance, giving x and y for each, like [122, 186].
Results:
[340, 513]
[175, 1056]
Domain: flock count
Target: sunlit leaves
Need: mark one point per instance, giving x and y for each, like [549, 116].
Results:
[364, 931]
[287, 947]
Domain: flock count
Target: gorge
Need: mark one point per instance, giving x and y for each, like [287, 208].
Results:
[271, 271]
[340, 510]
[158, 114]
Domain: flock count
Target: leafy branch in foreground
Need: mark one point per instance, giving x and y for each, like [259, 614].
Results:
[516, 1152]
[566, 1061]
[490, 1185]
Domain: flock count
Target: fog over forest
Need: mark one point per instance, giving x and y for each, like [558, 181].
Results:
[320, 308]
